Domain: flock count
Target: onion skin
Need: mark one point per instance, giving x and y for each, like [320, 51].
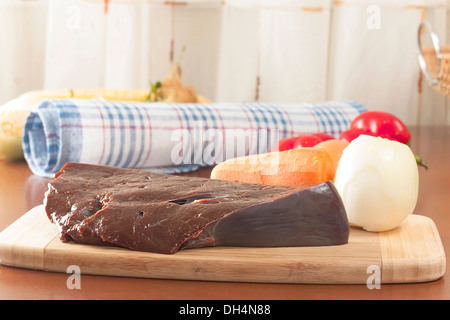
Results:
[378, 181]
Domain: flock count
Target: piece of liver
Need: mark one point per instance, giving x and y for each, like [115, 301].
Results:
[146, 211]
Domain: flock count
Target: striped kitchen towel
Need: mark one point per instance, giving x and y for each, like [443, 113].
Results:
[168, 137]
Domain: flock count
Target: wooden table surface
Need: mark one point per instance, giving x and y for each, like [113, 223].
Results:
[20, 191]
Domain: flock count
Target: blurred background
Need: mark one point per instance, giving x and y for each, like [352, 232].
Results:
[289, 51]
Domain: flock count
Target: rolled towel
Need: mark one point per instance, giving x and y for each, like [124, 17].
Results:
[168, 137]
[13, 114]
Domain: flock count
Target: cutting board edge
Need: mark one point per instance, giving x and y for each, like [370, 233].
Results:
[428, 266]
[23, 243]
[207, 265]
[42, 254]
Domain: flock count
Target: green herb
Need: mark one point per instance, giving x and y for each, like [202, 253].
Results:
[153, 90]
[155, 86]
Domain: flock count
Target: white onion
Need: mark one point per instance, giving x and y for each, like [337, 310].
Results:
[378, 181]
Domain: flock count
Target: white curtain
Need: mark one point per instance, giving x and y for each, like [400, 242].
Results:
[274, 51]
[288, 51]
[373, 52]
[22, 46]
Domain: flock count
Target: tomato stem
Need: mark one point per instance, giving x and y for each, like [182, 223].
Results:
[420, 162]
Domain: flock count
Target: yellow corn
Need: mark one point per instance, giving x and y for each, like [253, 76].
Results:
[111, 94]
[14, 113]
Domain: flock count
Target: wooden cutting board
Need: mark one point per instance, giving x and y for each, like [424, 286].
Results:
[412, 252]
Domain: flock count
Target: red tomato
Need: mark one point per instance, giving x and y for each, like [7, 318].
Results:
[382, 124]
[306, 141]
[323, 136]
[352, 134]
[284, 144]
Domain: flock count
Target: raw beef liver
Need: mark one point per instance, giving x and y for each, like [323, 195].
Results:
[160, 213]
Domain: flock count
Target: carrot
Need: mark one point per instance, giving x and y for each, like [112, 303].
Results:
[334, 148]
[295, 167]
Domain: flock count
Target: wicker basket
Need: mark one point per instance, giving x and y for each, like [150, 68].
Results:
[435, 62]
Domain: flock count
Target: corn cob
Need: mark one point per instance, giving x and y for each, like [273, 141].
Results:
[14, 113]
